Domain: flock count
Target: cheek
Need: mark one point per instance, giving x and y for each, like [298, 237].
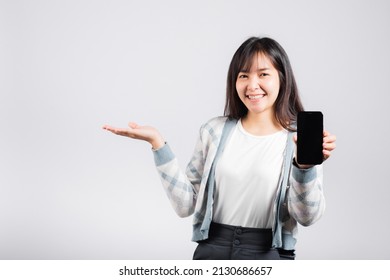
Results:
[277, 84]
[276, 88]
[240, 94]
[239, 88]
[273, 86]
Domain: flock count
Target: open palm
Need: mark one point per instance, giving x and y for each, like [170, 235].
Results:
[135, 131]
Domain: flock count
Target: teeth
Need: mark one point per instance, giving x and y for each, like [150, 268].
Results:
[255, 96]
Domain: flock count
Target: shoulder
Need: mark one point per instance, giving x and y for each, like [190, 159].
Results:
[216, 125]
[293, 125]
[215, 122]
[213, 128]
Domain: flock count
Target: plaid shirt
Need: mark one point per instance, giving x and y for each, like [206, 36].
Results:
[300, 197]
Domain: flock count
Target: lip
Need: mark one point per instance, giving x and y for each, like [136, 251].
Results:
[254, 97]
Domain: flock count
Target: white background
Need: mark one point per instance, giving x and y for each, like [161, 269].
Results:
[69, 190]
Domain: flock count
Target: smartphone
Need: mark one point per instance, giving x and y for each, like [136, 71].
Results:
[310, 129]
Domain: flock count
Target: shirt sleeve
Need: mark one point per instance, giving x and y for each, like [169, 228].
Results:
[181, 187]
[306, 201]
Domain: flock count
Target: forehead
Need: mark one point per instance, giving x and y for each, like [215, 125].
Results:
[257, 61]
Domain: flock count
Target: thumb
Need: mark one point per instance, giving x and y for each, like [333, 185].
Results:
[133, 125]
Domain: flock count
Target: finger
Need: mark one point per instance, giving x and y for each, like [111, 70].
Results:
[133, 125]
[326, 154]
[329, 146]
[326, 133]
[108, 127]
[118, 131]
[330, 139]
[295, 137]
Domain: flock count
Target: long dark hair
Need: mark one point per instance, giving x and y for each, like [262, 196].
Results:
[287, 104]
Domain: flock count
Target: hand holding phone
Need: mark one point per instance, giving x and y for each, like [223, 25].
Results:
[310, 137]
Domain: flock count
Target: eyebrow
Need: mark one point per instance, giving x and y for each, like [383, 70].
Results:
[258, 70]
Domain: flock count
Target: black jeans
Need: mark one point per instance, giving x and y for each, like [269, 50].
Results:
[227, 242]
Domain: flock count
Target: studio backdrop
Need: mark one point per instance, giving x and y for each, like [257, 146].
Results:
[70, 190]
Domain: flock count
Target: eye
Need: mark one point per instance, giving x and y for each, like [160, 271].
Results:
[264, 74]
[242, 76]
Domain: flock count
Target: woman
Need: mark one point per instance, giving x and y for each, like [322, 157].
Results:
[243, 185]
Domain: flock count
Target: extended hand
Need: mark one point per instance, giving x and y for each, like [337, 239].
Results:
[328, 145]
[135, 131]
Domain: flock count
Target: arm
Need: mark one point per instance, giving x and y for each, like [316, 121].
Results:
[180, 187]
[306, 202]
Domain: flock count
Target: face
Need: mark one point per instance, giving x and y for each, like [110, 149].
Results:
[259, 88]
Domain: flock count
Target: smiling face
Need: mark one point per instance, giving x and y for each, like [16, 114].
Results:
[258, 87]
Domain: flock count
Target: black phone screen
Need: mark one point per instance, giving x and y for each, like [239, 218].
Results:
[310, 137]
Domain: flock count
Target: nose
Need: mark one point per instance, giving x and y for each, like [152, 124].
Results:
[253, 83]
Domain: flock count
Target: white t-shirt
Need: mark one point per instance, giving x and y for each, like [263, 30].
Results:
[247, 177]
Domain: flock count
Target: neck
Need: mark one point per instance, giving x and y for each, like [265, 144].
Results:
[260, 125]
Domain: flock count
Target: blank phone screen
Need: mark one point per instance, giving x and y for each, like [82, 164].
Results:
[310, 137]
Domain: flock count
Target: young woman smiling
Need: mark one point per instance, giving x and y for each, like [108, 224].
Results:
[242, 185]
